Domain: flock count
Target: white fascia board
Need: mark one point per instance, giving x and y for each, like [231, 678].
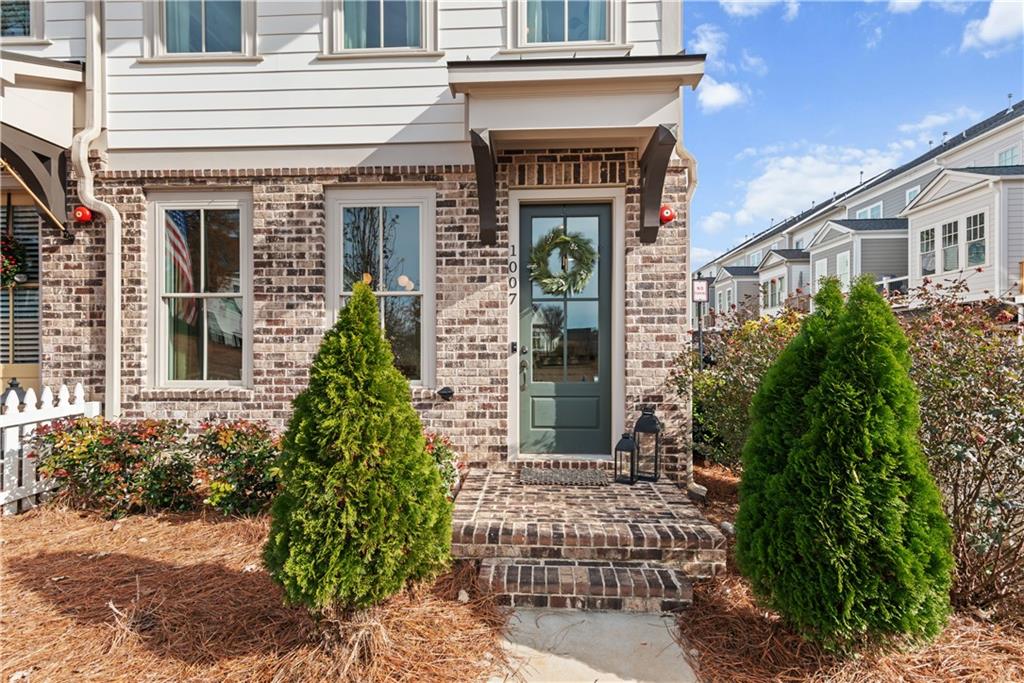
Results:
[823, 230]
[16, 70]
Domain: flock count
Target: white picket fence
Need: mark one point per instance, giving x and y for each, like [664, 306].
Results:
[20, 485]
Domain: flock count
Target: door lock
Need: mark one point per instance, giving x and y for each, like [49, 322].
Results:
[513, 346]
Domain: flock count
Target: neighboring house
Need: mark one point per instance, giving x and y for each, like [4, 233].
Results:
[736, 293]
[848, 248]
[784, 278]
[842, 224]
[968, 224]
[247, 164]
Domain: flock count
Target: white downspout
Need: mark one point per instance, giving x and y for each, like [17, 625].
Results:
[95, 96]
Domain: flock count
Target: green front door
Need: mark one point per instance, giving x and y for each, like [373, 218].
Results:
[565, 337]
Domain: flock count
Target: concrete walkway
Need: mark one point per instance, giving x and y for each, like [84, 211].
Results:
[567, 645]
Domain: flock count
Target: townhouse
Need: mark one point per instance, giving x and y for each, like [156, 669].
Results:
[235, 166]
[954, 212]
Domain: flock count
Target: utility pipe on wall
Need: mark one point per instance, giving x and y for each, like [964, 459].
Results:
[95, 96]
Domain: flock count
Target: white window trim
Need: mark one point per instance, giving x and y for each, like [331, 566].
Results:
[818, 271]
[334, 32]
[962, 265]
[931, 251]
[516, 32]
[159, 202]
[1014, 148]
[844, 283]
[984, 239]
[867, 210]
[916, 189]
[155, 38]
[37, 28]
[425, 198]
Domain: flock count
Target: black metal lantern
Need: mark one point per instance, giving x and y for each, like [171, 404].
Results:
[625, 460]
[647, 437]
[13, 387]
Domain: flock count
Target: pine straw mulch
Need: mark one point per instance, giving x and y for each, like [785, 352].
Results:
[185, 598]
[728, 638]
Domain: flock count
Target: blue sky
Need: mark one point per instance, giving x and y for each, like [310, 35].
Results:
[799, 97]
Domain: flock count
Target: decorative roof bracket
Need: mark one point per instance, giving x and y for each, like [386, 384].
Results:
[486, 191]
[653, 164]
[42, 167]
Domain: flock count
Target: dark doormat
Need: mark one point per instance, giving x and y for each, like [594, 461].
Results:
[542, 476]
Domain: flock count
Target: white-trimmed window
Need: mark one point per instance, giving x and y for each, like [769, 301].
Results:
[843, 269]
[926, 249]
[546, 24]
[873, 211]
[975, 239]
[765, 295]
[201, 29]
[21, 21]
[1008, 157]
[782, 290]
[799, 244]
[728, 299]
[911, 193]
[721, 301]
[755, 258]
[386, 236]
[820, 271]
[202, 281]
[951, 246]
[380, 27]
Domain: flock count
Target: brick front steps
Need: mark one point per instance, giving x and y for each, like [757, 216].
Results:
[648, 536]
[633, 587]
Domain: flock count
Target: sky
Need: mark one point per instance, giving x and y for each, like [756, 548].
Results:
[799, 97]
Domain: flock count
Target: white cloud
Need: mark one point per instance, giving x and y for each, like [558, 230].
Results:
[710, 40]
[1001, 28]
[930, 126]
[874, 38]
[753, 63]
[789, 183]
[751, 8]
[903, 6]
[701, 255]
[715, 222]
[714, 96]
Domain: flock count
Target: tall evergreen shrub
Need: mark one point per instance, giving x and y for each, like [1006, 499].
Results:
[362, 508]
[778, 420]
[866, 541]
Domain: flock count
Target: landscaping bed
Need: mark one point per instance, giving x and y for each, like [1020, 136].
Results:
[180, 597]
[728, 638]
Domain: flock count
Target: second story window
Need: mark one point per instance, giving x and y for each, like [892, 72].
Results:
[197, 26]
[567, 21]
[369, 24]
[1007, 157]
[873, 211]
[16, 18]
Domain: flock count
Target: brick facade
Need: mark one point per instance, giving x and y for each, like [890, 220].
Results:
[289, 266]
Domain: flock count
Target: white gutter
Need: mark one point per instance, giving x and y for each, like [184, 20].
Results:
[95, 96]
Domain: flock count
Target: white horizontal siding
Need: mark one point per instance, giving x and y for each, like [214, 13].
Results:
[1014, 227]
[293, 98]
[985, 151]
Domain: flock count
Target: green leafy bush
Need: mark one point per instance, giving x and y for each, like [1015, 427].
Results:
[362, 507]
[118, 468]
[440, 448]
[861, 549]
[237, 461]
[722, 393]
[969, 369]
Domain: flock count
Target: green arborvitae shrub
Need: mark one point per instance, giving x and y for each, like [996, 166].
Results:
[778, 420]
[362, 507]
[866, 543]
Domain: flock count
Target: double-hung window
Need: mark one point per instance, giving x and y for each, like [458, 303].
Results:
[21, 20]
[1008, 157]
[820, 271]
[766, 295]
[975, 239]
[951, 246]
[380, 26]
[927, 251]
[873, 211]
[201, 29]
[566, 21]
[385, 238]
[202, 281]
[843, 269]
[911, 193]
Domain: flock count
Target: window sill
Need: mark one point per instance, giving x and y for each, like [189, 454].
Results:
[562, 48]
[214, 393]
[383, 53]
[202, 59]
[24, 41]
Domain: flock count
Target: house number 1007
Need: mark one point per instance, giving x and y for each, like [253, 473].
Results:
[513, 280]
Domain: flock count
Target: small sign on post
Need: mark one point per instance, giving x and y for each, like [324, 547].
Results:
[700, 291]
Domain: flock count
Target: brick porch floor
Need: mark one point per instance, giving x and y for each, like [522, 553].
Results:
[612, 547]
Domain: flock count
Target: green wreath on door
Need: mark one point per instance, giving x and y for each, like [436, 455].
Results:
[571, 245]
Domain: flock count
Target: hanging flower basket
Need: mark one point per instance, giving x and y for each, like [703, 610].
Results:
[572, 246]
[13, 261]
